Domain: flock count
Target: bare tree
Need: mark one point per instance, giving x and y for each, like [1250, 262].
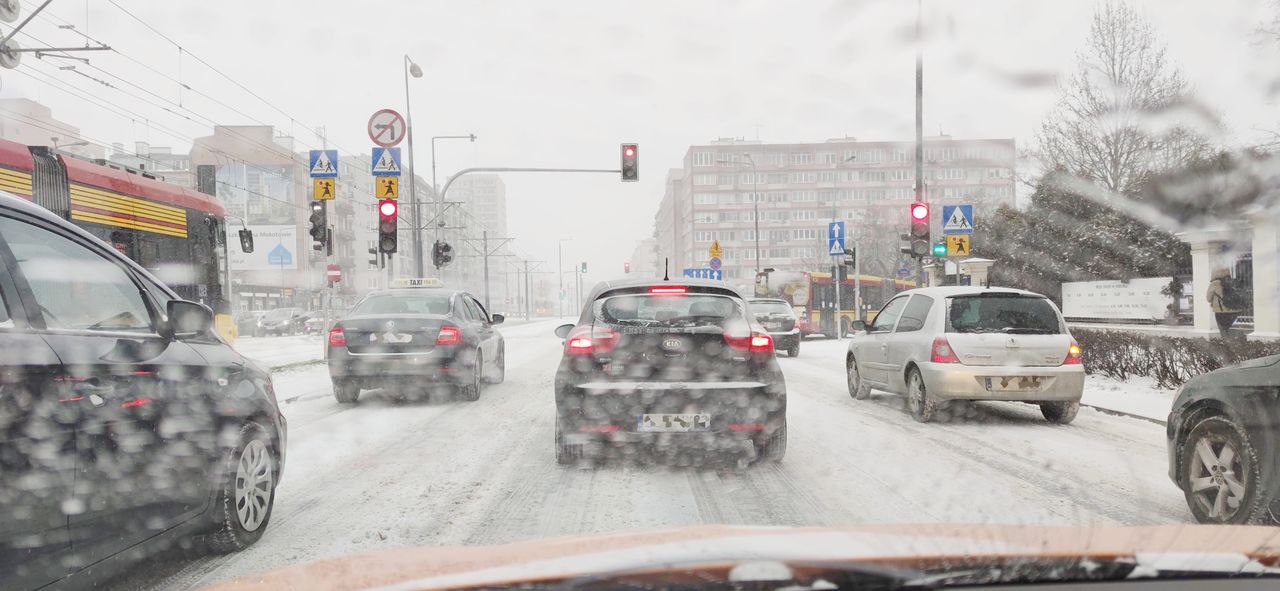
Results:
[1111, 124]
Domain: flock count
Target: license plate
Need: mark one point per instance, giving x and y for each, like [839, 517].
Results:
[772, 325]
[674, 423]
[1014, 384]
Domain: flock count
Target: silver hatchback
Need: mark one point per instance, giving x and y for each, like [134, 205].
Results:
[938, 344]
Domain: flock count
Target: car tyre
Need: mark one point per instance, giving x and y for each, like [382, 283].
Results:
[346, 391]
[775, 447]
[858, 389]
[1226, 469]
[794, 351]
[471, 392]
[1060, 413]
[499, 372]
[248, 484]
[922, 407]
[566, 454]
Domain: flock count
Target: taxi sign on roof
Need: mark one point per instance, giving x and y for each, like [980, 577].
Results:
[416, 282]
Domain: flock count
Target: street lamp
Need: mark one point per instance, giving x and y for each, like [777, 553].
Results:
[560, 266]
[412, 69]
[439, 198]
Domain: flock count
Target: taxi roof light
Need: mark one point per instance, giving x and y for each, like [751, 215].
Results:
[416, 282]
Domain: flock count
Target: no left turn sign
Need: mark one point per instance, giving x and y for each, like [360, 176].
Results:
[387, 128]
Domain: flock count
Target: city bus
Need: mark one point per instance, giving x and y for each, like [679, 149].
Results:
[812, 295]
[176, 233]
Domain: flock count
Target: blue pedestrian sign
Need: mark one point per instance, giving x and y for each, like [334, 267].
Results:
[386, 162]
[957, 219]
[324, 164]
[713, 274]
[835, 238]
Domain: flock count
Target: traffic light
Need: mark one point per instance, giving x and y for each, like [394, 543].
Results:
[939, 249]
[441, 254]
[319, 225]
[584, 267]
[630, 163]
[626, 266]
[387, 219]
[919, 229]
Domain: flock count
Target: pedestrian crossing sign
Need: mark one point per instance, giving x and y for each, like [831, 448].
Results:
[958, 245]
[388, 187]
[323, 164]
[957, 219]
[323, 189]
[386, 162]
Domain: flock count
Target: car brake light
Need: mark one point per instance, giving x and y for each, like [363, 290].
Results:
[449, 335]
[756, 342]
[337, 338]
[1073, 354]
[675, 289]
[588, 341]
[942, 351]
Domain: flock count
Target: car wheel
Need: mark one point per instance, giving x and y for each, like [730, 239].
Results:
[794, 351]
[922, 407]
[247, 494]
[1220, 474]
[775, 447]
[566, 454]
[499, 372]
[858, 390]
[1060, 412]
[471, 392]
[346, 391]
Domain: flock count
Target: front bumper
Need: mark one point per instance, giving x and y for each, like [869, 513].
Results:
[952, 381]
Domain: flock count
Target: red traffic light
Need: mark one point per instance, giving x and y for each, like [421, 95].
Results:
[387, 208]
[919, 211]
[629, 151]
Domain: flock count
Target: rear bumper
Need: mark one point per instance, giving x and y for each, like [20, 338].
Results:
[431, 366]
[950, 381]
[785, 339]
[611, 411]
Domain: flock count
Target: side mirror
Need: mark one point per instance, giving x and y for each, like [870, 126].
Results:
[562, 331]
[496, 318]
[188, 319]
[858, 325]
[246, 241]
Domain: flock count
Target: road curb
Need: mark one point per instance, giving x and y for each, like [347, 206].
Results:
[1121, 413]
[296, 364]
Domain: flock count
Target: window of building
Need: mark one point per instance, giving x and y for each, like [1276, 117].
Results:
[806, 214]
[779, 235]
[949, 154]
[900, 174]
[805, 233]
[776, 178]
[729, 216]
[704, 198]
[778, 159]
[804, 252]
[749, 235]
[849, 155]
[726, 179]
[704, 179]
[828, 176]
[703, 236]
[704, 218]
[874, 176]
[804, 196]
[851, 175]
[827, 157]
[804, 177]
[871, 156]
[901, 155]
[704, 159]
[779, 253]
[777, 197]
[875, 195]
[778, 216]
[802, 158]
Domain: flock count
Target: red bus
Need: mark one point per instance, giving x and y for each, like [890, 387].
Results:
[176, 233]
[812, 295]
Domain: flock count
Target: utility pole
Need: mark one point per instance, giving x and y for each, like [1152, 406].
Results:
[484, 247]
[919, 125]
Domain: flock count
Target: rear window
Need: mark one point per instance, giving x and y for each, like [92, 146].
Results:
[403, 304]
[668, 310]
[1004, 313]
[763, 308]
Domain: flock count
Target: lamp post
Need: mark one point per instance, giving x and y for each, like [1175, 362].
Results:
[755, 200]
[560, 266]
[412, 69]
[439, 197]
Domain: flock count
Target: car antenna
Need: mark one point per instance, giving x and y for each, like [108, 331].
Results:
[666, 269]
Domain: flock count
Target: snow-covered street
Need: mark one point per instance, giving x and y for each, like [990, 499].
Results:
[382, 474]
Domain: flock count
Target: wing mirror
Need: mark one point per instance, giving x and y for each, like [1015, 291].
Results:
[562, 331]
[858, 326]
[496, 318]
[188, 319]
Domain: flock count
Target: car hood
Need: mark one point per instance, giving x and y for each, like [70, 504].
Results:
[1184, 548]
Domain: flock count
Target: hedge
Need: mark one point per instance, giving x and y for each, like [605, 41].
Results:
[1170, 361]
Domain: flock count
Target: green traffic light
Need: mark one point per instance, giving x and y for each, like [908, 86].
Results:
[939, 250]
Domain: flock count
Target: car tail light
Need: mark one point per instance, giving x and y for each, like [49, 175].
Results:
[449, 335]
[671, 289]
[591, 341]
[337, 338]
[942, 352]
[755, 342]
[1073, 354]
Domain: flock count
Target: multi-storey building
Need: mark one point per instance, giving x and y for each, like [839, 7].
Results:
[28, 122]
[161, 161]
[797, 189]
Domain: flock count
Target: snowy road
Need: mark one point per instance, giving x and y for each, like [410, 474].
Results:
[383, 475]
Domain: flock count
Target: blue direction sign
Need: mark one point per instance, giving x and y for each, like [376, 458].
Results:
[957, 219]
[714, 274]
[835, 238]
[324, 164]
[386, 162]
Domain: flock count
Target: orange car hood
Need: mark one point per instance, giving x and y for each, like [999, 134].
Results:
[1188, 547]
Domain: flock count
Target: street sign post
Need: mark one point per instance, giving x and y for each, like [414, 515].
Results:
[835, 238]
[385, 162]
[387, 128]
[323, 164]
[713, 274]
[957, 219]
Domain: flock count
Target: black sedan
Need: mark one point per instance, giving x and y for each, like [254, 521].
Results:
[408, 340]
[779, 319]
[126, 423]
[675, 368]
[1224, 445]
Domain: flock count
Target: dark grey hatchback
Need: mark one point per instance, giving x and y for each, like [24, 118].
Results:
[126, 424]
[1224, 443]
[676, 369]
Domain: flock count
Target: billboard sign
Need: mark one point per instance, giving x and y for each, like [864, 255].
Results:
[275, 248]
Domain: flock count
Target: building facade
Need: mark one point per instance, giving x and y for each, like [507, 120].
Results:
[797, 189]
[28, 122]
[158, 160]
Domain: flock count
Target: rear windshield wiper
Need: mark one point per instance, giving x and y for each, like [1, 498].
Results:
[1020, 330]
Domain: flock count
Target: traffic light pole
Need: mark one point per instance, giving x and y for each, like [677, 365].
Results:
[919, 127]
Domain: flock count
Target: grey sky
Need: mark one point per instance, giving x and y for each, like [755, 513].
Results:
[563, 83]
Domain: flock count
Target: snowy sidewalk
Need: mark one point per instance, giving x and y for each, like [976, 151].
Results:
[1138, 397]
